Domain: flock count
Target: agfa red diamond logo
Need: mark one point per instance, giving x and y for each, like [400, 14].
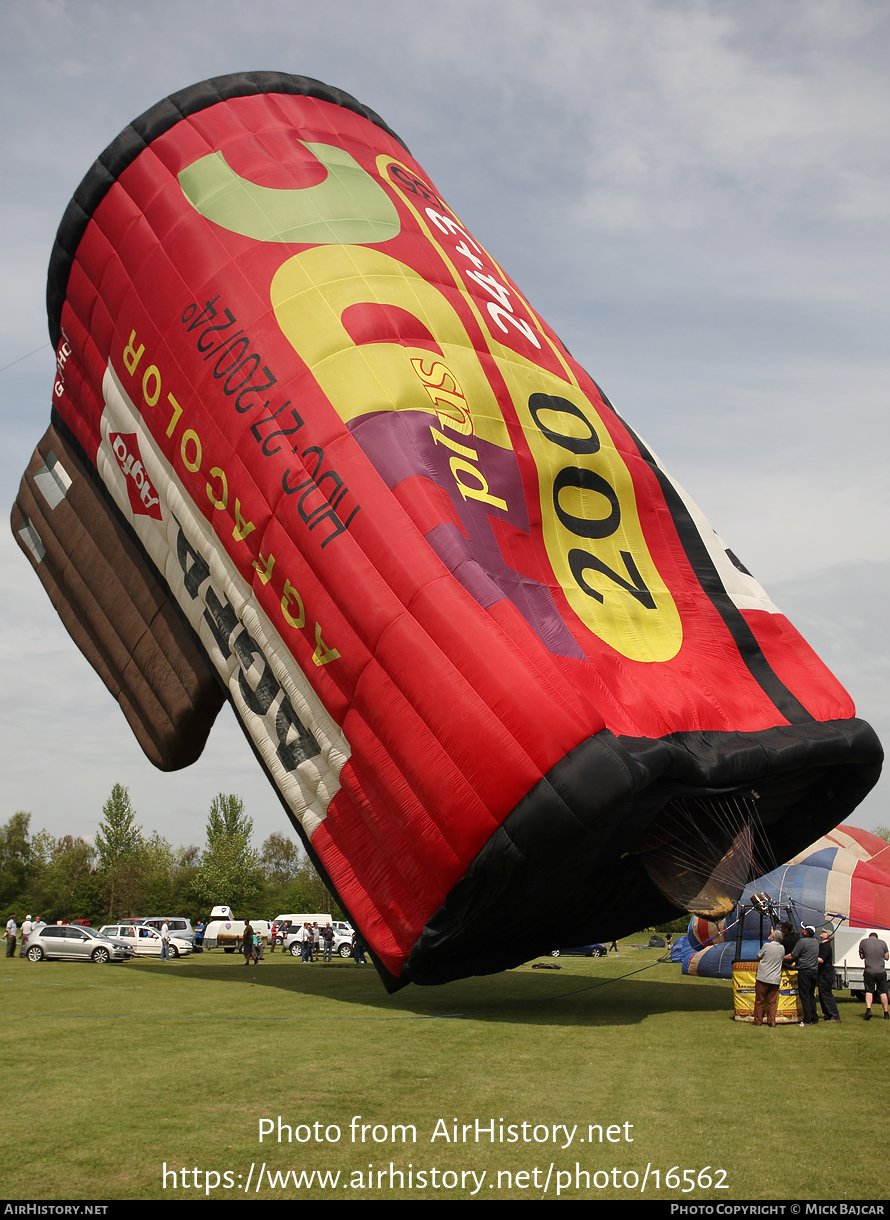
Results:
[143, 497]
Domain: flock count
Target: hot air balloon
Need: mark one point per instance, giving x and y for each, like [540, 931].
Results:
[841, 879]
[313, 451]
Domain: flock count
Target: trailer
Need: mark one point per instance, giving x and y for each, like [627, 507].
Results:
[225, 932]
[848, 965]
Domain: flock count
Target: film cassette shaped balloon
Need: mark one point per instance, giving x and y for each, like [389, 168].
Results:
[313, 452]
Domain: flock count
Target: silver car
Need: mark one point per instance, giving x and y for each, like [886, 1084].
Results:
[75, 944]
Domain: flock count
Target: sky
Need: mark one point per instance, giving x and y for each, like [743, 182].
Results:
[695, 196]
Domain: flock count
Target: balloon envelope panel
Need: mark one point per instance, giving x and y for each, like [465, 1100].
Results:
[478, 638]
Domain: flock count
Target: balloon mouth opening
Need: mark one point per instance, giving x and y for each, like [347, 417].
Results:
[699, 853]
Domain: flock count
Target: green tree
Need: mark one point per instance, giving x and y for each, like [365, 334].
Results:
[229, 872]
[120, 847]
[280, 859]
[292, 882]
[883, 832]
[186, 900]
[158, 870]
[15, 860]
[66, 886]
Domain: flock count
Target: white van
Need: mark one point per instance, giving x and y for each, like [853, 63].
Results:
[286, 927]
[297, 921]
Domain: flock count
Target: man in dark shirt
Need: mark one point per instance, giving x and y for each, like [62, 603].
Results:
[874, 977]
[805, 956]
[826, 977]
[789, 936]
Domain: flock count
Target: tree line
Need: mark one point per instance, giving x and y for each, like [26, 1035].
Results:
[127, 871]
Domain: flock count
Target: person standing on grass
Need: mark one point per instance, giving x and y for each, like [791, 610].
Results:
[826, 978]
[165, 941]
[327, 935]
[358, 950]
[247, 944]
[805, 956]
[12, 931]
[27, 929]
[769, 977]
[305, 943]
[789, 936]
[874, 977]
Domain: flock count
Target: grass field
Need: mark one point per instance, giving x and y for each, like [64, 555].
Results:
[114, 1071]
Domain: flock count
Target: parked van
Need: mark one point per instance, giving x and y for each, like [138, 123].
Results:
[285, 926]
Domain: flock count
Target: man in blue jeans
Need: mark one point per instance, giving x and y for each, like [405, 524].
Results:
[165, 942]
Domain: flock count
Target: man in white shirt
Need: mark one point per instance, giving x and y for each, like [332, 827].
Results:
[27, 929]
[165, 941]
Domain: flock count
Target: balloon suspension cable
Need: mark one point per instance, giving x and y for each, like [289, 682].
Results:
[763, 856]
[25, 357]
[699, 852]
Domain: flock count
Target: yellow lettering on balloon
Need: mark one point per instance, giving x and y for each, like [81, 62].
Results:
[264, 566]
[323, 655]
[441, 439]
[132, 355]
[310, 293]
[468, 490]
[447, 397]
[221, 501]
[290, 601]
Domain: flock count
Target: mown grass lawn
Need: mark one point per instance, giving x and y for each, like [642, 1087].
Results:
[114, 1071]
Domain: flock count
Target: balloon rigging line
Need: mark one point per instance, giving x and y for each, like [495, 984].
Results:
[727, 817]
[768, 862]
[432, 1016]
[25, 357]
[721, 816]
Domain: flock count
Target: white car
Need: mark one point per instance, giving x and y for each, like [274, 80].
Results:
[145, 941]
